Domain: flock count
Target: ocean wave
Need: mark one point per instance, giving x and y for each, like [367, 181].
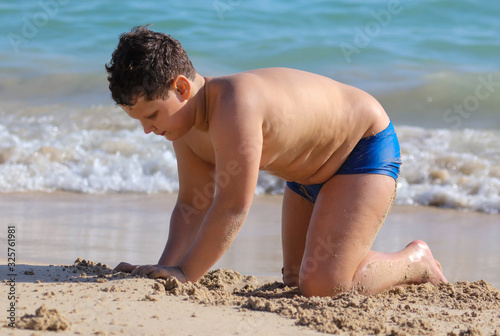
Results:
[99, 150]
[450, 168]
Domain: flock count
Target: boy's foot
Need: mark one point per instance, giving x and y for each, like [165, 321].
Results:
[431, 268]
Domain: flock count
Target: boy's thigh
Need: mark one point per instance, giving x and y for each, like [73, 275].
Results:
[347, 215]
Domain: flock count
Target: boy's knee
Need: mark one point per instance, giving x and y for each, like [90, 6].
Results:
[323, 285]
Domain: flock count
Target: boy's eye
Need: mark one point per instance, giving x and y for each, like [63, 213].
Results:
[153, 116]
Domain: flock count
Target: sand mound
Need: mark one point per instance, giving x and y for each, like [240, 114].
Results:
[462, 308]
[44, 319]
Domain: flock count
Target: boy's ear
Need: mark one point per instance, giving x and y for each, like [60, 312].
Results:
[183, 87]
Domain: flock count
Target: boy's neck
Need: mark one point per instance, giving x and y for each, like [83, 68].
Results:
[201, 117]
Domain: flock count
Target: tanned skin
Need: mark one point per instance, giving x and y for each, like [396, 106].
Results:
[298, 126]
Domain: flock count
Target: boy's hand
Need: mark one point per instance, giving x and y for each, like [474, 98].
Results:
[125, 267]
[153, 271]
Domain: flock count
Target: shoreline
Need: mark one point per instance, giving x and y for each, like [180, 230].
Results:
[60, 227]
[57, 228]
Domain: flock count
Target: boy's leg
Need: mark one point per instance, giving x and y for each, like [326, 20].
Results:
[415, 262]
[295, 218]
[348, 213]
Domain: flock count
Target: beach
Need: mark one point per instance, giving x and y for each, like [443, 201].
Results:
[82, 188]
[59, 227]
[53, 230]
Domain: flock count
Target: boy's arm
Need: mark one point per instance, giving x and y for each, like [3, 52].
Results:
[236, 133]
[192, 204]
[188, 213]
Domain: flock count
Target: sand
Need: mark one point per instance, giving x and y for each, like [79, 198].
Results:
[57, 228]
[90, 298]
[86, 298]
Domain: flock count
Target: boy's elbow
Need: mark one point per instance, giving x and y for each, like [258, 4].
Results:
[234, 207]
[233, 211]
[236, 200]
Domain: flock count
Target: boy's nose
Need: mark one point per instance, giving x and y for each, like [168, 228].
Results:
[147, 128]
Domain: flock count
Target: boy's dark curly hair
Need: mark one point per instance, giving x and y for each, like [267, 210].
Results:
[144, 64]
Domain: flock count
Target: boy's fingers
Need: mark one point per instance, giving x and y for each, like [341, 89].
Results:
[125, 267]
[159, 273]
[137, 270]
[145, 270]
[152, 271]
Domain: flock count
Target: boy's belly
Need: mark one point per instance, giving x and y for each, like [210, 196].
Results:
[376, 154]
[318, 166]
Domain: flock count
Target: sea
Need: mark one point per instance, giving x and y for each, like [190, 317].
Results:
[433, 64]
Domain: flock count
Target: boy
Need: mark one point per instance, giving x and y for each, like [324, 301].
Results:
[333, 143]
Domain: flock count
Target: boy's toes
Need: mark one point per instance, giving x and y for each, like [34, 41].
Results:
[441, 276]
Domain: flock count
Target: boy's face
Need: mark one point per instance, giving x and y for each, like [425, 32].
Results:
[165, 117]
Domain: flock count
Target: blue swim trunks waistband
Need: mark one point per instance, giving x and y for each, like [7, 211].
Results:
[377, 154]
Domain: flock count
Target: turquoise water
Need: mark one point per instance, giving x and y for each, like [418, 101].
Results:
[433, 65]
[428, 54]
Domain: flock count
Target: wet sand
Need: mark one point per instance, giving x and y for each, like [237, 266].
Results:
[58, 228]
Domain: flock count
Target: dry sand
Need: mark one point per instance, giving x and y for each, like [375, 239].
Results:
[89, 298]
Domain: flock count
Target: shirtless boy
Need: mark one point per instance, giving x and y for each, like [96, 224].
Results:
[333, 143]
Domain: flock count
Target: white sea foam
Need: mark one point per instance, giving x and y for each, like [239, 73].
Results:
[99, 149]
[450, 168]
[93, 151]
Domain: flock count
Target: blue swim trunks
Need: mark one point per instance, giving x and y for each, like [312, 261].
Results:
[376, 154]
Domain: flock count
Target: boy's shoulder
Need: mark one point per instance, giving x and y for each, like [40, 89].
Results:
[251, 76]
[267, 80]
[227, 92]
[253, 85]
